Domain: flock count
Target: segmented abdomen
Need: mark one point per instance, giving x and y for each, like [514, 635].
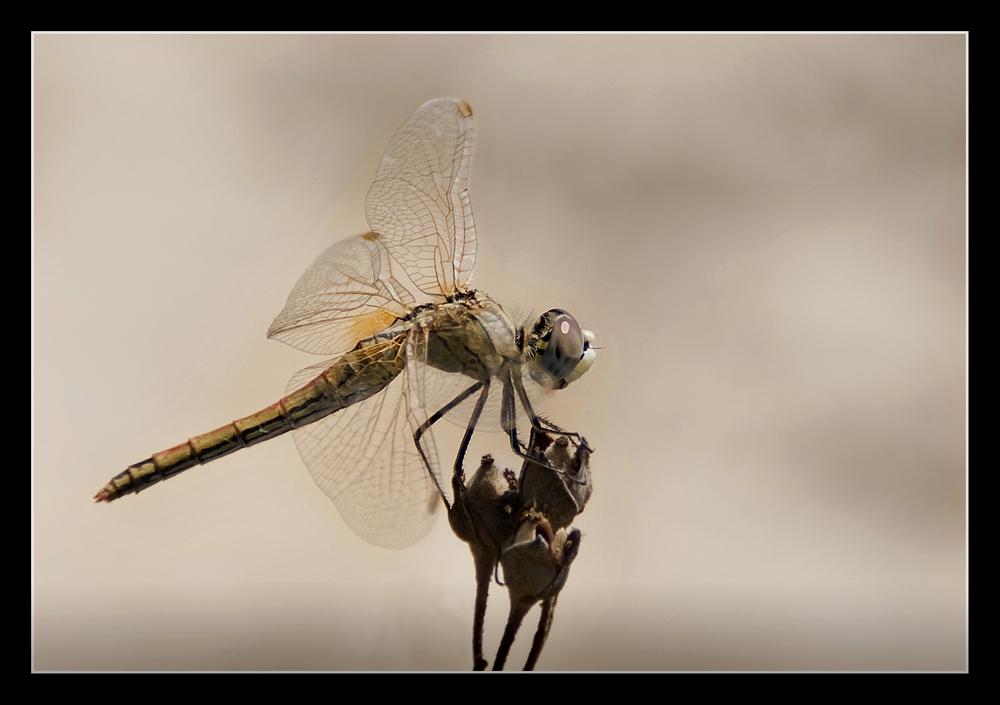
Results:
[356, 376]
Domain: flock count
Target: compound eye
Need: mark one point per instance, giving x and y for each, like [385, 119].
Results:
[567, 336]
[566, 346]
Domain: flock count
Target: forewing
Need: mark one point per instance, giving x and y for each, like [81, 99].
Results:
[364, 458]
[419, 203]
[348, 293]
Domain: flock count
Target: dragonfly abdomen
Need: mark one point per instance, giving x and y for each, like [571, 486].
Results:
[354, 377]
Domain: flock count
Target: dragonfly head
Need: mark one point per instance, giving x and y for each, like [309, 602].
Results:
[558, 349]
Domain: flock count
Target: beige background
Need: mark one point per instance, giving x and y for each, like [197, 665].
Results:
[767, 233]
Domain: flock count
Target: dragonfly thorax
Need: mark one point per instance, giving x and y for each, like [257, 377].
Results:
[471, 335]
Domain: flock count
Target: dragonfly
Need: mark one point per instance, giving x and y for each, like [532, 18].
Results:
[407, 342]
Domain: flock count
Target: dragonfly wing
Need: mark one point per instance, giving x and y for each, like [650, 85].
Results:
[419, 203]
[363, 457]
[348, 293]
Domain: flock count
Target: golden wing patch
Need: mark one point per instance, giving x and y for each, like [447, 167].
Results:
[372, 323]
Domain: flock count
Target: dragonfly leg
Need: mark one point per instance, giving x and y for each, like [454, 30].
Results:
[515, 446]
[507, 409]
[509, 418]
[537, 422]
[473, 422]
[457, 481]
[436, 416]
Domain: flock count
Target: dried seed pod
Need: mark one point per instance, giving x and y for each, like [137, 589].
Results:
[485, 509]
[535, 567]
[522, 525]
[536, 562]
[559, 496]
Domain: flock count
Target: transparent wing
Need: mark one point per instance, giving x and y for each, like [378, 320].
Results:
[348, 293]
[364, 458]
[419, 203]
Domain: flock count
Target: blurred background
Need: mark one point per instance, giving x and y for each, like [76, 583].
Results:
[766, 232]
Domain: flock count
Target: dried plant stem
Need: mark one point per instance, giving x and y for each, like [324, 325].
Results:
[542, 633]
[484, 573]
[514, 619]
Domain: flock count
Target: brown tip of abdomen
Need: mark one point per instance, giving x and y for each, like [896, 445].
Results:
[103, 496]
